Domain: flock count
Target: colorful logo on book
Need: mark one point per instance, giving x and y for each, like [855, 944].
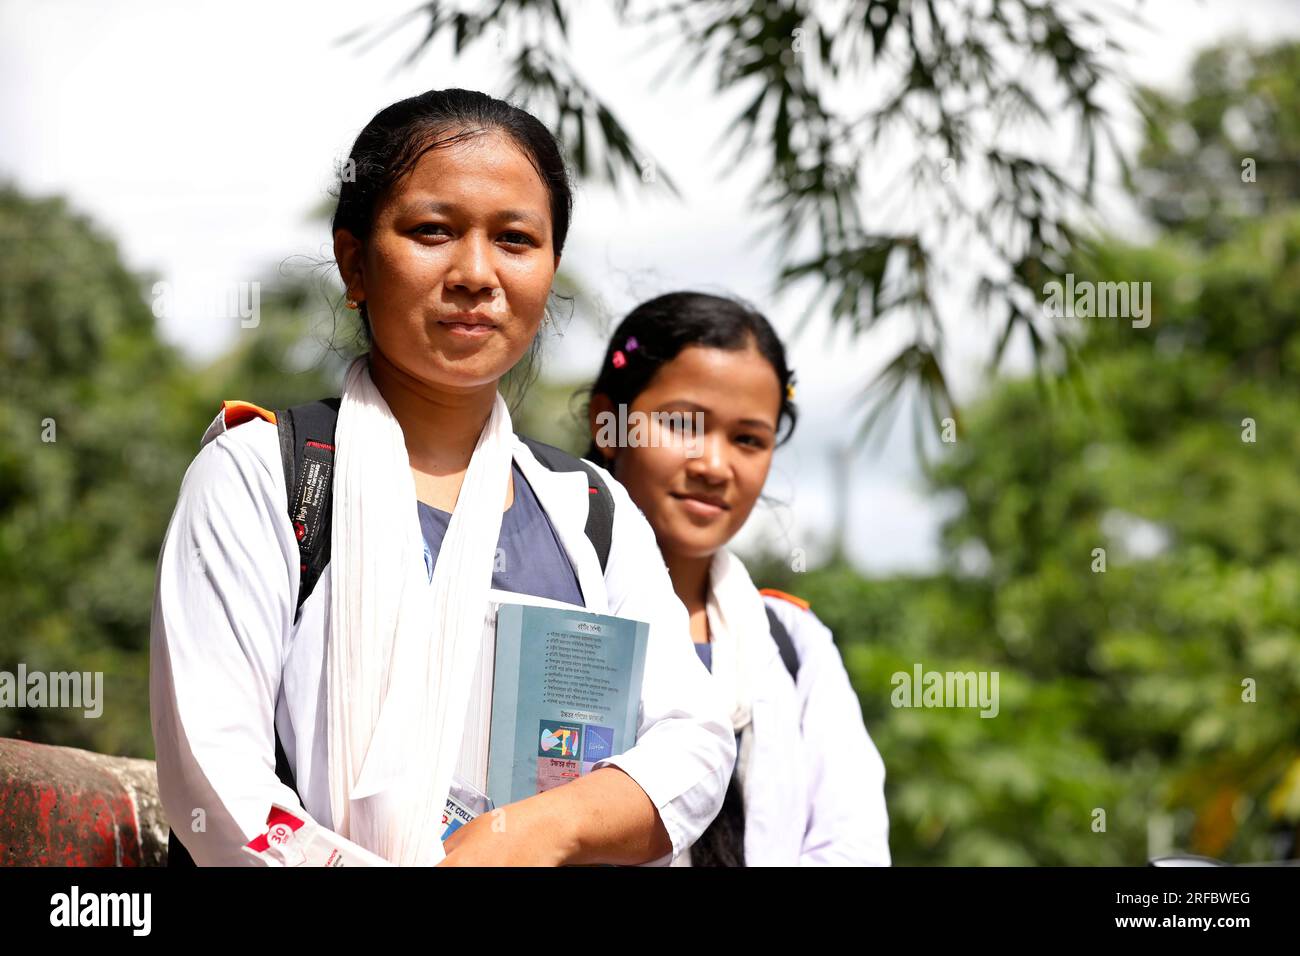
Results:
[559, 740]
[597, 743]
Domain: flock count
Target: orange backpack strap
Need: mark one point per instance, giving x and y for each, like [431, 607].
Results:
[236, 413]
[796, 601]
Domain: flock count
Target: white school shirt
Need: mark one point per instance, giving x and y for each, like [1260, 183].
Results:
[815, 783]
[228, 665]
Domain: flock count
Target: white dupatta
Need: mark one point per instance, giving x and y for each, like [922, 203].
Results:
[401, 649]
[741, 646]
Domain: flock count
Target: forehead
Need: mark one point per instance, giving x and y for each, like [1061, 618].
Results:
[731, 384]
[486, 169]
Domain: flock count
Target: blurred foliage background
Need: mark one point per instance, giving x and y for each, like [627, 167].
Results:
[1173, 448]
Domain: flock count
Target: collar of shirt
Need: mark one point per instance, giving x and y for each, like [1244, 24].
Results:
[564, 496]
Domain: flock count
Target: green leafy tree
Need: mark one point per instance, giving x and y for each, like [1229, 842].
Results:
[1123, 557]
[98, 421]
[96, 416]
[1163, 690]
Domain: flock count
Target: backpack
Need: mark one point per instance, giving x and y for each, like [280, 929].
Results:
[307, 455]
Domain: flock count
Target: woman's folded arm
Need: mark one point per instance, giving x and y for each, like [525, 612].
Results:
[223, 603]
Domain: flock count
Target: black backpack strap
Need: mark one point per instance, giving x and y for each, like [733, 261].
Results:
[307, 453]
[600, 509]
[783, 642]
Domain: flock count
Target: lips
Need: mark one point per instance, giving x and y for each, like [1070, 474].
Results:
[704, 506]
[468, 323]
[467, 318]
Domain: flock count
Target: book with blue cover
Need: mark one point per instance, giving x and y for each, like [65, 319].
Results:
[566, 691]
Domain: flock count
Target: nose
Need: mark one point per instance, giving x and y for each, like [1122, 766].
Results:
[711, 465]
[470, 269]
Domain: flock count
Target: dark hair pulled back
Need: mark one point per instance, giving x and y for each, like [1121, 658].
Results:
[394, 140]
[665, 325]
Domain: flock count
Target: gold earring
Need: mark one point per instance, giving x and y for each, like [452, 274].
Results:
[352, 304]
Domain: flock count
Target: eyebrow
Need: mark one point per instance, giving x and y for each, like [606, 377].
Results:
[503, 215]
[682, 403]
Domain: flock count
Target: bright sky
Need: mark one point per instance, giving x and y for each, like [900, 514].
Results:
[202, 134]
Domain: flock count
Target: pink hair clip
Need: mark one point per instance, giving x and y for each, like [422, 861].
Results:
[619, 359]
[631, 343]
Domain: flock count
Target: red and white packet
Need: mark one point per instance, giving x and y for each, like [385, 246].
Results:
[294, 839]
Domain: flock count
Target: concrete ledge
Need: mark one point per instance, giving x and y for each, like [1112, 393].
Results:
[65, 807]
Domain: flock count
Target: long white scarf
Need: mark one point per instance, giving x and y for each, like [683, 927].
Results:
[402, 649]
[741, 645]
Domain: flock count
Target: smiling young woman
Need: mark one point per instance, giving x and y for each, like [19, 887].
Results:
[447, 239]
[809, 783]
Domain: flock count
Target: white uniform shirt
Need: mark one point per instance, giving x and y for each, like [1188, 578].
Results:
[845, 820]
[814, 784]
[228, 665]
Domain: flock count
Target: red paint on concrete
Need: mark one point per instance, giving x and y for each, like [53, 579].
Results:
[66, 807]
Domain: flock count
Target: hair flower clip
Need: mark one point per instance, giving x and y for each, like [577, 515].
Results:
[619, 359]
[632, 343]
